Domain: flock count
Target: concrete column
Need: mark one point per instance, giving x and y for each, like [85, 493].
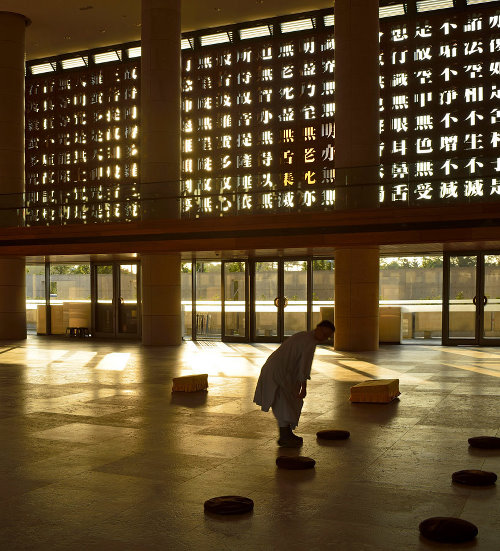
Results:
[12, 298]
[161, 300]
[356, 298]
[160, 163]
[12, 32]
[12, 269]
[160, 108]
[357, 133]
[357, 142]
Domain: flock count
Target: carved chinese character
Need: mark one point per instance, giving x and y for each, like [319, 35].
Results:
[309, 155]
[423, 191]
[448, 143]
[473, 188]
[309, 198]
[423, 122]
[398, 34]
[400, 192]
[310, 177]
[448, 190]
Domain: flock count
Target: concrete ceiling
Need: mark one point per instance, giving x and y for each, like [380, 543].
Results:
[60, 26]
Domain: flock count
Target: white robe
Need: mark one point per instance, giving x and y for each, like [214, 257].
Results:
[280, 378]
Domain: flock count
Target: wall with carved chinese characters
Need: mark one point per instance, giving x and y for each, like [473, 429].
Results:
[440, 110]
[258, 132]
[258, 105]
[82, 143]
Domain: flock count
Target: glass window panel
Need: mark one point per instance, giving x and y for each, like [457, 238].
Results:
[104, 299]
[266, 291]
[35, 298]
[462, 293]
[187, 300]
[323, 290]
[411, 288]
[234, 300]
[492, 294]
[128, 315]
[295, 292]
[69, 297]
[208, 300]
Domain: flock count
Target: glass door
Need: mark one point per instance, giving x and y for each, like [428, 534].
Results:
[295, 296]
[235, 293]
[208, 303]
[262, 300]
[128, 310]
[490, 303]
[280, 298]
[104, 304]
[266, 302]
[323, 290]
[115, 300]
[471, 305]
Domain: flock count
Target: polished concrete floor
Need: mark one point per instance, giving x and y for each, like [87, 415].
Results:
[97, 453]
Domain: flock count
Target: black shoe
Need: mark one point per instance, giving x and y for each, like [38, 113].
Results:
[289, 443]
[289, 440]
[297, 438]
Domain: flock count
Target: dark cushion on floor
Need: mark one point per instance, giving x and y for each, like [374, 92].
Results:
[485, 442]
[295, 462]
[448, 529]
[333, 434]
[474, 478]
[229, 505]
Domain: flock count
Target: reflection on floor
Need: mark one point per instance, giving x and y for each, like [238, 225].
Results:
[98, 454]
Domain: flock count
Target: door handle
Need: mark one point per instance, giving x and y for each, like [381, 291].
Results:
[474, 301]
[485, 300]
[276, 302]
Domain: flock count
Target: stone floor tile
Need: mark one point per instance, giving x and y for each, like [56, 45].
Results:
[96, 457]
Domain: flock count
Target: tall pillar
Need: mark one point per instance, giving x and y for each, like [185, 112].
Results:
[12, 298]
[12, 269]
[161, 299]
[357, 92]
[357, 158]
[12, 31]
[356, 298]
[160, 164]
[160, 108]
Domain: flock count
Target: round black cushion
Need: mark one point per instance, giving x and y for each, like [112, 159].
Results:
[485, 442]
[448, 529]
[295, 462]
[333, 434]
[229, 505]
[474, 478]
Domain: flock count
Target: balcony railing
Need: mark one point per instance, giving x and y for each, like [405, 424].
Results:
[379, 187]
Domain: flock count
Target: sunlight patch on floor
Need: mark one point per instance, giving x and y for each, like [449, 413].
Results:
[476, 369]
[470, 353]
[116, 361]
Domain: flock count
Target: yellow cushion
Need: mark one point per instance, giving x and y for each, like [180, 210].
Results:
[380, 391]
[190, 383]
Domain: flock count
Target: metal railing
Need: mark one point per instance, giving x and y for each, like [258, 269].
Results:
[391, 186]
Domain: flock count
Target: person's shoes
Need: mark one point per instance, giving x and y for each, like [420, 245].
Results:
[298, 438]
[288, 439]
[289, 443]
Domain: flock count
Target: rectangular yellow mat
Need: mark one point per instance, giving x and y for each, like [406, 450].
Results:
[376, 391]
[190, 383]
